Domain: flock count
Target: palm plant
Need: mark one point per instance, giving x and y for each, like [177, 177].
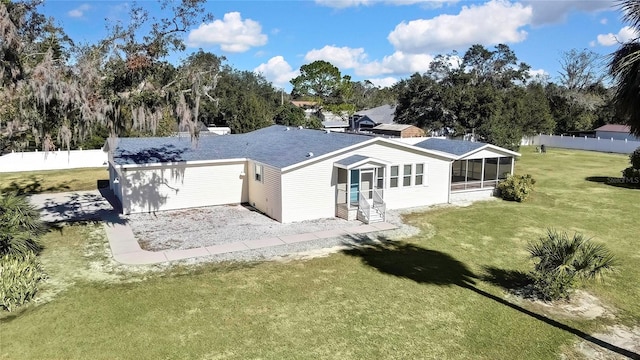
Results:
[625, 69]
[562, 260]
[20, 226]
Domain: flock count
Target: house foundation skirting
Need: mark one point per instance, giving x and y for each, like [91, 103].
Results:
[344, 212]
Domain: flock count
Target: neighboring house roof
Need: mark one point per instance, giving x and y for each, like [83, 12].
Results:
[380, 115]
[273, 145]
[364, 120]
[335, 124]
[303, 103]
[615, 128]
[392, 127]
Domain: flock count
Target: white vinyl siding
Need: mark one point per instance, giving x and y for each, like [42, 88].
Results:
[184, 186]
[266, 195]
[309, 192]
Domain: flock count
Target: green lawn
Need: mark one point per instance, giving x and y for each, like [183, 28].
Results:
[436, 295]
[35, 182]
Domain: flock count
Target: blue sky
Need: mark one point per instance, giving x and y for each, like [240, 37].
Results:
[378, 40]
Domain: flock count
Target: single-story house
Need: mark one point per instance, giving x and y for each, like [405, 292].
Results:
[370, 118]
[398, 130]
[294, 174]
[615, 132]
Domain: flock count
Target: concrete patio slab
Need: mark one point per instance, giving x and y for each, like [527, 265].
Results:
[185, 253]
[141, 258]
[383, 226]
[362, 229]
[330, 233]
[226, 248]
[296, 238]
[124, 247]
[256, 244]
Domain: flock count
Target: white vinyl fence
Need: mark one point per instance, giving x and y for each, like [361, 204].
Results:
[52, 160]
[583, 143]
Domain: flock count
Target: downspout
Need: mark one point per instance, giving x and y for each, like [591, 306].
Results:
[449, 185]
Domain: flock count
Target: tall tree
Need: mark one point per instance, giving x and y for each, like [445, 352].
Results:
[580, 69]
[319, 80]
[625, 68]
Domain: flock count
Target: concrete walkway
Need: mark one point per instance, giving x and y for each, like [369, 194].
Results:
[94, 205]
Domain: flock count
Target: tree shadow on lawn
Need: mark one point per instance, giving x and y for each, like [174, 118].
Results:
[426, 266]
[32, 185]
[615, 181]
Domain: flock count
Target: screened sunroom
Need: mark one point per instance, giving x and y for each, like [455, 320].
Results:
[480, 173]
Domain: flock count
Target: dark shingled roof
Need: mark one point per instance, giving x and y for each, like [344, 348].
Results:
[351, 160]
[273, 146]
[455, 147]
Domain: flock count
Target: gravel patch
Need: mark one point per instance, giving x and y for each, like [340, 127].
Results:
[208, 226]
[216, 225]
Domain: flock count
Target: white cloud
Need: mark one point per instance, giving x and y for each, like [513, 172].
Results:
[79, 11]
[384, 82]
[397, 63]
[232, 34]
[341, 4]
[604, 21]
[538, 73]
[277, 70]
[549, 12]
[357, 59]
[494, 22]
[342, 57]
[625, 34]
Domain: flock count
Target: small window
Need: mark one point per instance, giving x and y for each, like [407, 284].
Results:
[380, 178]
[258, 172]
[393, 178]
[419, 174]
[406, 176]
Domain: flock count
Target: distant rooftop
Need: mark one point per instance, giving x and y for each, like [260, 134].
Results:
[384, 114]
[392, 127]
[615, 128]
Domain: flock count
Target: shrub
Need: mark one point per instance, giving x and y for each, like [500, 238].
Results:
[631, 175]
[563, 260]
[634, 159]
[516, 187]
[19, 279]
[20, 226]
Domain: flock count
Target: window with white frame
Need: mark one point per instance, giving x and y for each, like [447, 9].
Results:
[393, 177]
[419, 176]
[258, 172]
[406, 175]
[380, 178]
